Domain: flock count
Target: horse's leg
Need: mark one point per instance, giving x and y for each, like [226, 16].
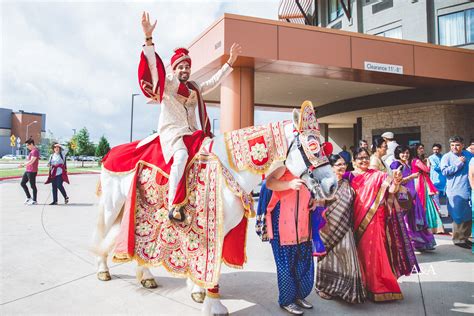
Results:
[146, 278]
[110, 206]
[198, 294]
[105, 237]
[212, 304]
[233, 214]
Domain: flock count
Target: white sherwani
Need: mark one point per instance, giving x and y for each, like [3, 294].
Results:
[178, 113]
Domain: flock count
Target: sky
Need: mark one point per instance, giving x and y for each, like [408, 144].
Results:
[76, 61]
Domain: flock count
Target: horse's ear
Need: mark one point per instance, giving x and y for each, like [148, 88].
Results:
[296, 118]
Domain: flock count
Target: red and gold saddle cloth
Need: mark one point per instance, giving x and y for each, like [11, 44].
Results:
[255, 148]
[196, 247]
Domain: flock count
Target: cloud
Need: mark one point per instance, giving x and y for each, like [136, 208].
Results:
[77, 61]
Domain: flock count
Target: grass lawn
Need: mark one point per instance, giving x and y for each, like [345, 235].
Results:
[42, 170]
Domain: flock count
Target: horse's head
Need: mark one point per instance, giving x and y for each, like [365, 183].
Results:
[306, 158]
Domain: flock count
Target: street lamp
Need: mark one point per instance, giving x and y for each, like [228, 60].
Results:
[27, 126]
[131, 118]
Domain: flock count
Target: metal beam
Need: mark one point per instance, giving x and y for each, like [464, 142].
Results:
[308, 22]
[347, 9]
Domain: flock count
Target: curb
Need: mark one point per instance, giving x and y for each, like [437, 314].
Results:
[45, 174]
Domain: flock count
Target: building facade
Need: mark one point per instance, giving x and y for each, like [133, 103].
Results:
[440, 22]
[20, 124]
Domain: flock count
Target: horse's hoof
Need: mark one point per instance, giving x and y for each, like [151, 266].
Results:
[176, 214]
[198, 297]
[104, 276]
[149, 283]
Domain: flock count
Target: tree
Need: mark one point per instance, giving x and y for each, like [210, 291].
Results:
[84, 146]
[72, 145]
[102, 148]
[45, 147]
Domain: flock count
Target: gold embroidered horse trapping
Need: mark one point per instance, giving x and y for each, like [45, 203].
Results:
[195, 247]
[256, 148]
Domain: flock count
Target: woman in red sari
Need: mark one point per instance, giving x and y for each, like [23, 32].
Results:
[383, 245]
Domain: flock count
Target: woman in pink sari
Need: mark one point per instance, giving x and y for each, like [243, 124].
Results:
[426, 189]
[383, 246]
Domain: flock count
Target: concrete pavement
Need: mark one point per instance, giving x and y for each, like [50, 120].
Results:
[46, 268]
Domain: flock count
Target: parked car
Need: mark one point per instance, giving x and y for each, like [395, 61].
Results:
[10, 157]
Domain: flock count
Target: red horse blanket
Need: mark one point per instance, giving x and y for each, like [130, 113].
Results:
[195, 247]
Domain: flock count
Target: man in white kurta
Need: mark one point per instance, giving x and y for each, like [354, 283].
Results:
[389, 157]
[179, 99]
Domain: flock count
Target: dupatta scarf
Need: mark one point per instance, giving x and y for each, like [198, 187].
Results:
[372, 188]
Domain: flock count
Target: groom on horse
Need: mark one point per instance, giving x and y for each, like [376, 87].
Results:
[179, 97]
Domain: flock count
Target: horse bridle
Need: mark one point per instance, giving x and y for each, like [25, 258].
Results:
[309, 166]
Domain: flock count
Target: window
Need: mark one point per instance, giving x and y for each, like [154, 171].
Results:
[392, 33]
[334, 9]
[337, 26]
[456, 28]
[385, 4]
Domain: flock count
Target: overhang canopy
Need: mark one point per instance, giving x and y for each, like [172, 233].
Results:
[296, 62]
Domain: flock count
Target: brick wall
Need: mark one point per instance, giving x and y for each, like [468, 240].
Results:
[437, 123]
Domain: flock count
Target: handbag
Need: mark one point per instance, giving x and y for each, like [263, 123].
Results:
[404, 199]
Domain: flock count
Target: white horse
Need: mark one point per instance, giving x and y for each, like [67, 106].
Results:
[320, 180]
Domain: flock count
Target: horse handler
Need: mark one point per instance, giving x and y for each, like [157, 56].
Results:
[179, 99]
[288, 228]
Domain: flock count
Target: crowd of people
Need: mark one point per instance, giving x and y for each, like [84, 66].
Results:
[384, 212]
[386, 206]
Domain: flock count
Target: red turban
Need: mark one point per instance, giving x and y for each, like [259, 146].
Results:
[180, 54]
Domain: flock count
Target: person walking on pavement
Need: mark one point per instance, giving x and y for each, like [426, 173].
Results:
[438, 179]
[454, 165]
[31, 172]
[471, 182]
[57, 174]
[426, 189]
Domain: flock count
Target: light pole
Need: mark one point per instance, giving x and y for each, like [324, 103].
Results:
[131, 118]
[27, 126]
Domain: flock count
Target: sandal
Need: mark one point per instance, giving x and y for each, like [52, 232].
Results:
[324, 295]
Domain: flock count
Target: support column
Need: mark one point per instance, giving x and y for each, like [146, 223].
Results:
[358, 132]
[324, 128]
[237, 100]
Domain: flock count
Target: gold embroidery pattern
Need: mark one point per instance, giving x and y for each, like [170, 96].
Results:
[256, 148]
[373, 209]
[190, 249]
[246, 199]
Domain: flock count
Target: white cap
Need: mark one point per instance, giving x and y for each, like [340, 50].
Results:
[388, 135]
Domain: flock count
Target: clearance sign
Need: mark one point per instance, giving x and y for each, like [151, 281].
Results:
[389, 68]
